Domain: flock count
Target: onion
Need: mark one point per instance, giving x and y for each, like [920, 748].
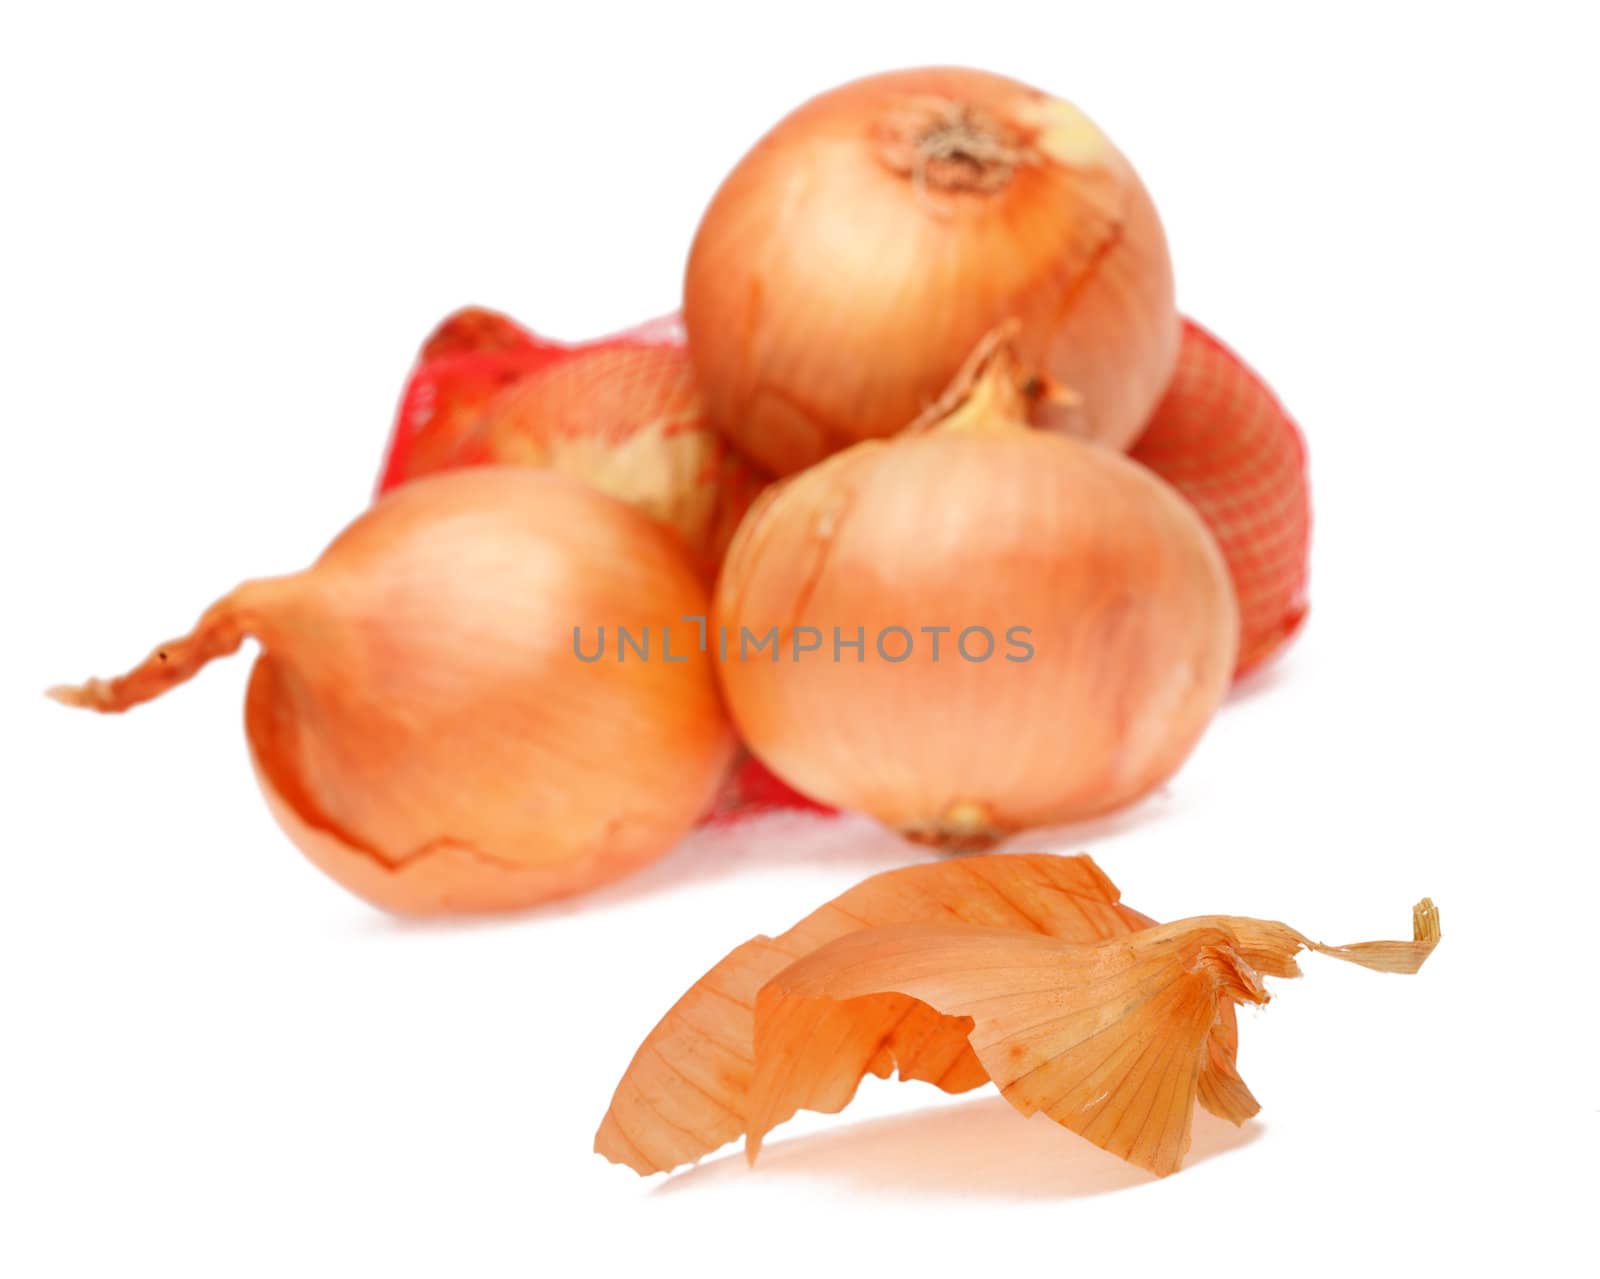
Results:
[420, 718]
[1089, 629]
[859, 252]
[627, 419]
[621, 413]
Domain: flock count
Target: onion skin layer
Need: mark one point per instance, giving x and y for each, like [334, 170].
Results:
[621, 412]
[419, 720]
[844, 270]
[626, 418]
[655, 1124]
[1131, 618]
[1115, 1039]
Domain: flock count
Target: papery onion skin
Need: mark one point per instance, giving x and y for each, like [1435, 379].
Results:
[707, 1039]
[1223, 440]
[1130, 613]
[419, 719]
[1116, 1040]
[627, 418]
[622, 413]
[845, 269]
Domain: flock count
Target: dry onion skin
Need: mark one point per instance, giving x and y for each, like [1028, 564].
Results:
[1116, 1040]
[419, 717]
[1223, 440]
[1110, 622]
[621, 413]
[852, 260]
[627, 418]
[687, 1089]
[789, 1023]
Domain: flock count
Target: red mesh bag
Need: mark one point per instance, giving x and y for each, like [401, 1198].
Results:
[465, 362]
[1220, 437]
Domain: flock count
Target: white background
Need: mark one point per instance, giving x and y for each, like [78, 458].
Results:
[224, 233]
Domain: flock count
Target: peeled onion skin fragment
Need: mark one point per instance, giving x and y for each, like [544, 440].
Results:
[1115, 1040]
[685, 1092]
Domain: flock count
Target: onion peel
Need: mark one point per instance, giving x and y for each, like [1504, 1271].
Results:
[624, 416]
[1115, 1040]
[685, 1092]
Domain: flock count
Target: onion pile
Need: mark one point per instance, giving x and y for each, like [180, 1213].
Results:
[425, 718]
[1026, 528]
[938, 305]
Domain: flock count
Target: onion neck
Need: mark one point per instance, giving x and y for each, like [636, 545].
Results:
[247, 611]
[990, 392]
